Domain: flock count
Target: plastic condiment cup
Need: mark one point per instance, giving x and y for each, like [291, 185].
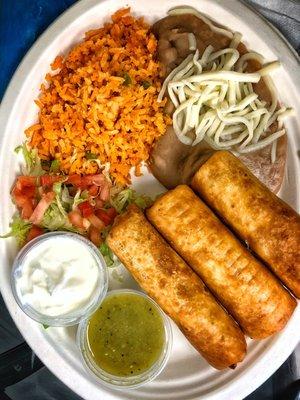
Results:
[129, 382]
[75, 316]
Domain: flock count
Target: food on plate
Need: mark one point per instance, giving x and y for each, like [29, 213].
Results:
[167, 97]
[173, 162]
[270, 227]
[220, 97]
[59, 278]
[85, 204]
[99, 105]
[244, 286]
[51, 201]
[126, 334]
[177, 289]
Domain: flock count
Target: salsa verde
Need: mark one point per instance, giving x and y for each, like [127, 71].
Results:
[126, 334]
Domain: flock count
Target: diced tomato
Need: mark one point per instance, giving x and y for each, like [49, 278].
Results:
[34, 232]
[24, 191]
[86, 181]
[86, 223]
[86, 209]
[102, 214]
[23, 194]
[29, 191]
[48, 180]
[104, 194]
[98, 203]
[27, 210]
[112, 212]
[25, 181]
[95, 236]
[74, 180]
[99, 179]
[94, 191]
[96, 222]
[25, 186]
[40, 209]
[76, 219]
[19, 198]
[90, 180]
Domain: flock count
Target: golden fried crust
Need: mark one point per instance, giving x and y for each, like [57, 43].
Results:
[268, 224]
[245, 287]
[177, 289]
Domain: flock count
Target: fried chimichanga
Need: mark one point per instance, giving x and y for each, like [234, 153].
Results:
[249, 292]
[177, 289]
[268, 224]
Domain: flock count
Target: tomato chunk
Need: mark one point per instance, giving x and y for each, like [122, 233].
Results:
[112, 212]
[39, 211]
[93, 191]
[96, 222]
[95, 236]
[76, 219]
[25, 181]
[97, 179]
[26, 210]
[86, 209]
[34, 232]
[25, 185]
[98, 203]
[74, 180]
[106, 218]
[23, 194]
[48, 180]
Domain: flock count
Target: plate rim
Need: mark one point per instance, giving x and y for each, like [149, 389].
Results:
[7, 104]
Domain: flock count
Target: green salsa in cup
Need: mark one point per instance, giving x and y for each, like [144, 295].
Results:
[126, 334]
[126, 341]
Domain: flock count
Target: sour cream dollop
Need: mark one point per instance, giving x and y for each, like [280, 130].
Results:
[58, 276]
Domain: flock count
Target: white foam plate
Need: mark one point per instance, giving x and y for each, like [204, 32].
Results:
[187, 375]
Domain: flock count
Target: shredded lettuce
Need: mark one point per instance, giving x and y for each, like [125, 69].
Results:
[32, 160]
[107, 254]
[55, 219]
[63, 208]
[65, 196]
[56, 216]
[79, 197]
[18, 229]
[66, 202]
[57, 188]
[129, 196]
[109, 257]
[54, 167]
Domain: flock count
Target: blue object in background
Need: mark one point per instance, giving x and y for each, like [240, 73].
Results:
[21, 23]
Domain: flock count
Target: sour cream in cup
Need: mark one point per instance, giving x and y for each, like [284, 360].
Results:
[59, 278]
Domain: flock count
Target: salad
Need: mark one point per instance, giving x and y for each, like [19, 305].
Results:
[47, 200]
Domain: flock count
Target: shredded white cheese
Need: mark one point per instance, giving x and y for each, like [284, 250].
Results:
[214, 98]
[192, 42]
